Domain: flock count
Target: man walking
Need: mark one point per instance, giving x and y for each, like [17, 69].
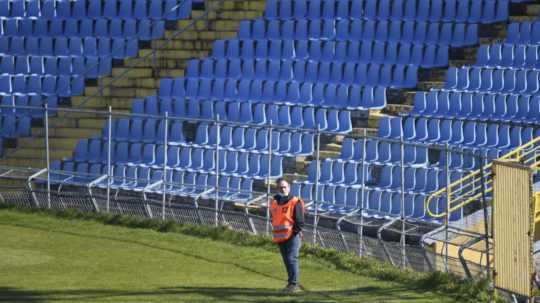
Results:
[287, 222]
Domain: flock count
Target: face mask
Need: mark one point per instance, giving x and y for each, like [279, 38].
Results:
[282, 196]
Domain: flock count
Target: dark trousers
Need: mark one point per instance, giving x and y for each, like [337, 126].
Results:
[290, 251]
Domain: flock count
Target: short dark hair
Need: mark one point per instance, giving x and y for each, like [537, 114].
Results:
[281, 179]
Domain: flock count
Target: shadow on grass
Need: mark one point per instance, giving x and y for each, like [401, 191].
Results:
[17, 295]
[215, 294]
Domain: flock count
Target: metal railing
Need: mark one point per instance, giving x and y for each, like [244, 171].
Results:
[468, 190]
[401, 221]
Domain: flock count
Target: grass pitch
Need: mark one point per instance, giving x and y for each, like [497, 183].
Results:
[47, 259]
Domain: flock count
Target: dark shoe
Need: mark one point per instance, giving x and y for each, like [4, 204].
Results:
[292, 289]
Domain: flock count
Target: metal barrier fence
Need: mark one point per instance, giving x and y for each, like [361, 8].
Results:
[239, 220]
[398, 235]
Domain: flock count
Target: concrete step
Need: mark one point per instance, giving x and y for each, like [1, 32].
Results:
[243, 5]
[67, 132]
[123, 92]
[359, 131]
[76, 122]
[427, 85]
[175, 54]
[300, 164]
[180, 44]
[432, 74]
[132, 72]
[460, 63]
[169, 73]
[373, 121]
[206, 34]
[38, 153]
[334, 147]
[533, 10]
[22, 162]
[53, 142]
[98, 103]
[409, 97]
[87, 115]
[395, 109]
[329, 154]
[239, 15]
[162, 63]
[146, 82]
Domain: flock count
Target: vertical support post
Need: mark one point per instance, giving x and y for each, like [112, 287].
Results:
[154, 49]
[317, 176]
[165, 160]
[207, 12]
[109, 144]
[403, 237]
[362, 192]
[268, 184]
[47, 154]
[485, 211]
[448, 197]
[218, 139]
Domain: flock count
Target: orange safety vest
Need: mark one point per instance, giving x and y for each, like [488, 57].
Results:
[282, 219]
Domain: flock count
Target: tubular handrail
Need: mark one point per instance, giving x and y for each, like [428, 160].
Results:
[465, 190]
[129, 115]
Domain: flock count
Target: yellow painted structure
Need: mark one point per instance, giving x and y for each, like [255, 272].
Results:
[513, 227]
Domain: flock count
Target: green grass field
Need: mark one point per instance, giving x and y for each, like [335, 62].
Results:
[48, 259]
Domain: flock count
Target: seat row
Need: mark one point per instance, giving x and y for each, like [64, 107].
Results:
[352, 150]
[12, 126]
[295, 116]
[9, 102]
[385, 177]
[485, 11]
[146, 130]
[63, 85]
[140, 178]
[389, 75]
[96, 150]
[340, 96]
[450, 33]
[525, 32]
[458, 132]
[341, 200]
[388, 178]
[510, 80]
[336, 171]
[286, 143]
[189, 158]
[117, 48]
[140, 9]
[183, 183]
[515, 108]
[425, 55]
[381, 152]
[112, 28]
[509, 55]
[91, 67]
[193, 184]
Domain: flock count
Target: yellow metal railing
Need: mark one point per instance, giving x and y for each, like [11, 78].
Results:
[536, 207]
[466, 190]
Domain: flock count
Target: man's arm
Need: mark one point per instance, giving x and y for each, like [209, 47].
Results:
[298, 218]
